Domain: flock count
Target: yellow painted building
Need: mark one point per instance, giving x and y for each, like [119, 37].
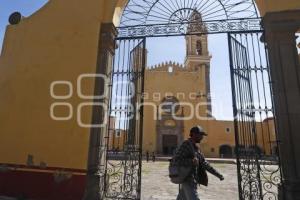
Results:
[186, 89]
[60, 42]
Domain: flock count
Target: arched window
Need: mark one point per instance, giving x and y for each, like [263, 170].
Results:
[199, 47]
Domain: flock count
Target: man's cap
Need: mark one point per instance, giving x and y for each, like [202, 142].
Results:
[198, 129]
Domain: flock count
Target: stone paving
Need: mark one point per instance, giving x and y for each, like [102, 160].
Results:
[156, 184]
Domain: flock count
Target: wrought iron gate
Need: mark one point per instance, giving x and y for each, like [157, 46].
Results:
[259, 173]
[124, 137]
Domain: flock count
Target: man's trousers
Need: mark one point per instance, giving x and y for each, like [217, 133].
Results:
[188, 191]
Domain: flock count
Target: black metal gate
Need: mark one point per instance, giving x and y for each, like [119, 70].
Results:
[124, 138]
[259, 173]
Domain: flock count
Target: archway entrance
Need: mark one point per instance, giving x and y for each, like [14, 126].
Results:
[169, 144]
[251, 93]
[225, 151]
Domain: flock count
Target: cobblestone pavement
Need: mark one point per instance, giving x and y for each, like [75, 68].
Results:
[157, 186]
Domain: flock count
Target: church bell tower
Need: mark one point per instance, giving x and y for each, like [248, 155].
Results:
[197, 55]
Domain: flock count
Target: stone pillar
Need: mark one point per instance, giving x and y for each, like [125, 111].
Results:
[280, 28]
[96, 157]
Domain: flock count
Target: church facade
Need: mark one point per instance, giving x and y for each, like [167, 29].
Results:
[178, 97]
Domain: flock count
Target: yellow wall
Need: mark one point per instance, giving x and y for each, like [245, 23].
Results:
[160, 82]
[218, 136]
[59, 42]
[268, 140]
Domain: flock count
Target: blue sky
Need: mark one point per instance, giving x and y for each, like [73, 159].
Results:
[26, 7]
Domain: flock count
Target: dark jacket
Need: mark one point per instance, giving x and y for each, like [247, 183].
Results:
[184, 156]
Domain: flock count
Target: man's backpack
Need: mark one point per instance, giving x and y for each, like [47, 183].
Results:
[177, 173]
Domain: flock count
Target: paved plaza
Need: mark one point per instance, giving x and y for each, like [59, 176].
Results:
[157, 186]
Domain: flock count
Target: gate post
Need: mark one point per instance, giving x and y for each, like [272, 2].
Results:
[96, 157]
[280, 29]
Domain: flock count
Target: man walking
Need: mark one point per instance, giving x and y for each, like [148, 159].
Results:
[188, 154]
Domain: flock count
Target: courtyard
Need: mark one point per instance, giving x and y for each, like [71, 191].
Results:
[157, 186]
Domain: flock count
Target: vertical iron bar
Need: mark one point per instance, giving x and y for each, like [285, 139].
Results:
[235, 114]
[141, 117]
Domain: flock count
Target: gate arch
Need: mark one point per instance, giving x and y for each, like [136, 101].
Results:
[158, 18]
[148, 12]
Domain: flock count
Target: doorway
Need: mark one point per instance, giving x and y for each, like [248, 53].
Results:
[169, 144]
[225, 151]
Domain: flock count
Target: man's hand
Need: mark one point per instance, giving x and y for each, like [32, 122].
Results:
[221, 177]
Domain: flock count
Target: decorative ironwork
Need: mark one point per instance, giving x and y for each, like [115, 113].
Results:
[123, 145]
[191, 28]
[259, 171]
[156, 18]
[147, 12]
